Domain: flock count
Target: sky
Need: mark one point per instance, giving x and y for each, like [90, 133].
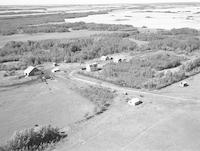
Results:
[49, 2]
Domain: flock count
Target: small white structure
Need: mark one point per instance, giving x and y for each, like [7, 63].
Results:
[55, 64]
[134, 102]
[37, 128]
[184, 84]
[104, 58]
[55, 70]
[31, 71]
[92, 67]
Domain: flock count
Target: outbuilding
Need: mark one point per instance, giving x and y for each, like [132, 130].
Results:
[184, 84]
[104, 58]
[31, 71]
[119, 59]
[55, 64]
[135, 101]
[56, 69]
[92, 67]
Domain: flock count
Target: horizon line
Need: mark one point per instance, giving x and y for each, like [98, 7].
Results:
[98, 4]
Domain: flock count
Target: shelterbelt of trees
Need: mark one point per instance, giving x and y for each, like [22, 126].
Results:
[161, 69]
[183, 40]
[76, 50]
[152, 72]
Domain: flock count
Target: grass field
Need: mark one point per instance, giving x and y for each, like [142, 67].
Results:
[94, 106]
[43, 36]
[146, 127]
[41, 104]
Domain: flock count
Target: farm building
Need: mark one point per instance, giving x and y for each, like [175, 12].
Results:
[55, 64]
[56, 69]
[110, 57]
[91, 67]
[119, 59]
[31, 71]
[104, 58]
[134, 102]
[184, 84]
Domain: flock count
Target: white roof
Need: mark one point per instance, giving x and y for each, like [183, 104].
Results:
[133, 101]
[104, 56]
[29, 69]
[55, 69]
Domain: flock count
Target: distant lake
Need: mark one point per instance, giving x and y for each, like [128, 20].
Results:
[165, 18]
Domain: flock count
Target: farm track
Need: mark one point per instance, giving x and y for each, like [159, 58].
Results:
[74, 76]
[88, 141]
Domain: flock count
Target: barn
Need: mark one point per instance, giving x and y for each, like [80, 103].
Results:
[31, 71]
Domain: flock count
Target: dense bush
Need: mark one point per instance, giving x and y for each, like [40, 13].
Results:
[191, 65]
[184, 31]
[109, 27]
[45, 29]
[163, 60]
[175, 34]
[13, 66]
[9, 73]
[179, 32]
[128, 74]
[173, 44]
[138, 71]
[149, 36]
[97, 95]
[101, 97]
[37, 52]
[164, 79]
[32, 139]
[9, 58]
